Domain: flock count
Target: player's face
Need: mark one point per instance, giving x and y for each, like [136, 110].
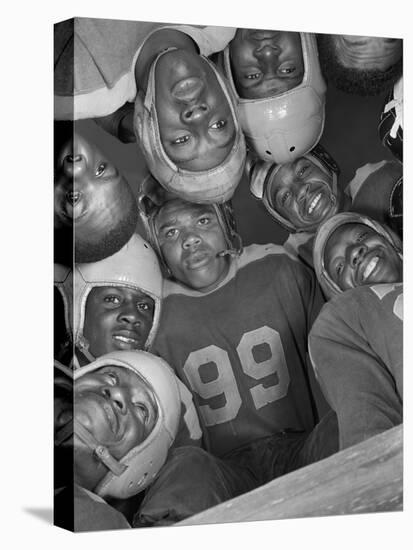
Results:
[367, 52]
[116, 407]
[195, 121]
[302, 193]
[86, 187]
[266, 63]
[191, 240]
[117, 318]
[356, 255]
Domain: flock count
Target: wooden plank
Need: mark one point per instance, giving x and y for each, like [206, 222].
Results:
[365, 478]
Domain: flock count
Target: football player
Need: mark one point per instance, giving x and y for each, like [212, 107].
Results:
[115, 427]
[356, 347]
[280, 91]
[352, 250]
[94, 208]
[234, 325]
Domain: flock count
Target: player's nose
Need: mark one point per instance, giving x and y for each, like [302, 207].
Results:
[267, 52]
[118, 397]
[191, 240]
[129, 314]
[194, 112]
[357, 253]
[74, 165]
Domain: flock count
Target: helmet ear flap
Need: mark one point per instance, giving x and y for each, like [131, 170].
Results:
[138, 115]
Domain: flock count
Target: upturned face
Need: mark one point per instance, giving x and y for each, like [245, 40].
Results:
[301, 192]
[357, 255]
[191, 240]
[367, 52]
[266, 63]
[117, 318]
[116, 406]
[92, 199]
[195, 121]
[86, 186]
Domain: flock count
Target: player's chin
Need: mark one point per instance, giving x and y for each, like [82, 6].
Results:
[205, 277]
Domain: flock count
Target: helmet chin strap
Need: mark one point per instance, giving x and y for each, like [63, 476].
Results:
[101, 452]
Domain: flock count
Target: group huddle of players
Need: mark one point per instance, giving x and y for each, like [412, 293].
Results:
[190, 369]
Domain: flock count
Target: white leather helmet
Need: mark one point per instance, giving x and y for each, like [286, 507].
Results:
[214, 185]
[286, 126]
[260, 175]
[137, 469]
[63, 281]
[135, 266]
[329, 287]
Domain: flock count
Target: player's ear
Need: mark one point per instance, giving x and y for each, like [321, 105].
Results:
[138, 115]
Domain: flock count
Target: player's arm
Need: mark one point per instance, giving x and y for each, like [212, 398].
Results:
[119, 123]
[355, 381]
[309, 290]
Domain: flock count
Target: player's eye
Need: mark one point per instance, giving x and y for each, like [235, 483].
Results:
[219, 125]
[112, 378]
[339, 268]
[302, 169]
[287, 70]
[100, 170]
[170, 233]
[115, 300]
[205, 220]
[143, 306]
[252, 76]
[284, 197]
[181, 140]
[143, 411]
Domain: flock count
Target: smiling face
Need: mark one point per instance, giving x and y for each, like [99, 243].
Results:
[302, 193]
[191, 239]
[356, 255]
[93, 199]
[195, 121]
[117, 318]
[116, 406]
[266, 63]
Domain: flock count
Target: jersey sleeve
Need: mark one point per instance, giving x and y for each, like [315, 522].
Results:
[310, 291]
[357, 381]
[210, 39]
[189, 430]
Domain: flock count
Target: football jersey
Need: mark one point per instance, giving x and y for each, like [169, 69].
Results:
[242, 347]
[356, 347]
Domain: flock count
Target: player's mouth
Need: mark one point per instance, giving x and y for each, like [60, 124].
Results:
[188, 88]
[127, 340]
[197, 260]
[316, 205]
[108, 411]
[263, 34]
[75, 212]
[369, 268]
